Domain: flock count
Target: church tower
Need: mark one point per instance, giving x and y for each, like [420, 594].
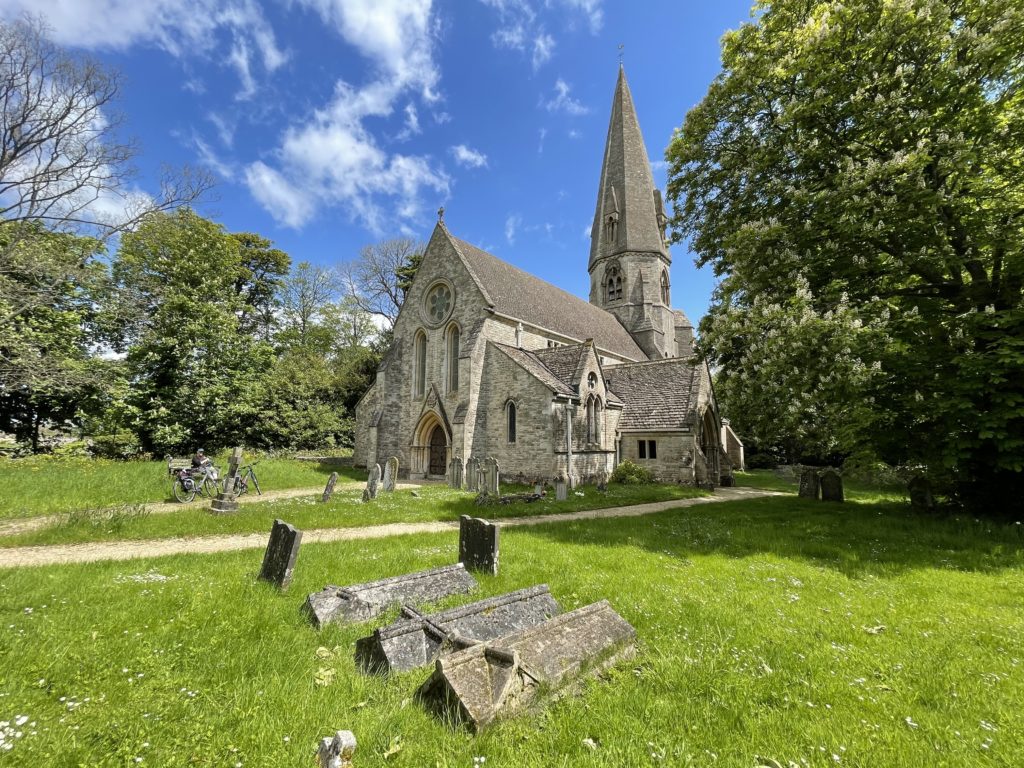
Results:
[629, 259]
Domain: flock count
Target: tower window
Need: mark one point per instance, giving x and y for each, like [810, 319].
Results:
[613, 279]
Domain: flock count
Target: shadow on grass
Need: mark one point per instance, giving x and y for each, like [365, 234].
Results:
[856, 538]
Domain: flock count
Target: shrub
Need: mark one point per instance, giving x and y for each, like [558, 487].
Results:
[631, 473]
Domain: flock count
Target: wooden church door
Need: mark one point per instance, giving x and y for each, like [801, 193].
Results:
[437, 451]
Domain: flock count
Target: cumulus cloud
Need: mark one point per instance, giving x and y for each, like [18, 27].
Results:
[563, 102]
[469, 158]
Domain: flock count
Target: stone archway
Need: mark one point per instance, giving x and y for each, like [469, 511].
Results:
[710, 446]
[436, 464]
[431, 447]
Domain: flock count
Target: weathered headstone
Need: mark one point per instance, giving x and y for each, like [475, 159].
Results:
[364, 601]
[920, 490]
[810, 483]
[484, 681]
[282, 551]
[472, 474]
[490, 476]
[538, 489]
[416, 639]
[372, 483]
[329, 488]
[478, 544]
[390, 474]
[226, 500]
[831, 486]
[455, 473]
[602, 480]
[337, 752]
[561, 488]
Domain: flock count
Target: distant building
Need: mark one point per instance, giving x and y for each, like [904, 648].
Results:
[491, 361]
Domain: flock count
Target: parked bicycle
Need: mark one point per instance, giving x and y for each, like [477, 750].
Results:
[188, 481]
[246, 476]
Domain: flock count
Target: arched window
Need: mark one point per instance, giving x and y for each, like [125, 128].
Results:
[453, 359]
[613, 279]
[420, 365]
[593, 420]
[664, 288]
[511, 414]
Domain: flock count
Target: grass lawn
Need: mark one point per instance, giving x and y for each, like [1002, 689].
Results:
[817, 635]
[770, 480]
[435, 502]
[42, 485]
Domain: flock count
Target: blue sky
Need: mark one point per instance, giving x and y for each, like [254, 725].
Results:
[332, 124]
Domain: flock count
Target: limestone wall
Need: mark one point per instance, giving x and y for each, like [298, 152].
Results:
[675, 454]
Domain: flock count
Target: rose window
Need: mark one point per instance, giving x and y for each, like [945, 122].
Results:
[439, 303]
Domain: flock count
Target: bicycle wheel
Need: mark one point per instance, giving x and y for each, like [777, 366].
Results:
[255, 484]
[210, 487]
[241, 486]
[183, 492]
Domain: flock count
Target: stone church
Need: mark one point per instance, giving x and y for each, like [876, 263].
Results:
[489, 361]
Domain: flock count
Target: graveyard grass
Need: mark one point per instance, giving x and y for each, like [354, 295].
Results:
[807, 633]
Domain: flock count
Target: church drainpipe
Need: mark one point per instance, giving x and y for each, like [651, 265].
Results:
[568, 445]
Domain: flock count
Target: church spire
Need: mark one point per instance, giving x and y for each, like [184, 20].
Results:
[628, 217]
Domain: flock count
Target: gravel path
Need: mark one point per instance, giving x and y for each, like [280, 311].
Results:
[128, 550]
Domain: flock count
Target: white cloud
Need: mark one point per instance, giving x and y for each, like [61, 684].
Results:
[543, 132]
[412, 122]
[225, 130]
[563, 102]
[543, 46]
[288, 203]
[591, 9]
[183, 28]
[469, 158]
[512, 224]
[521, 24]
[210, 159]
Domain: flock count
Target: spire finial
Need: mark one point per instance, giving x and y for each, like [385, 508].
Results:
[440, 215]
[622, 48]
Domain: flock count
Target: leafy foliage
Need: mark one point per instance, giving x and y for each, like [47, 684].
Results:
[630, 473]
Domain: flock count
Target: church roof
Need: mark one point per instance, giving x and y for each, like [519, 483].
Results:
[658, 395]
[512, 292]
[626, 191]
[533, 366]
[563, 361]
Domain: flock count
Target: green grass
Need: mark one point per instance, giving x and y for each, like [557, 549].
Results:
[435, 502]
[44, 485]
[771, 480]
[753, 620]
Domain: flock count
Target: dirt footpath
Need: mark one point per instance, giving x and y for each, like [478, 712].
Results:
[128, 550]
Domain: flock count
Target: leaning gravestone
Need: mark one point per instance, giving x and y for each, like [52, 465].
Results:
[372, 482]
[226, 500]
[920, 491]
[329, 489]
[282, 551]
[337, 752]
[810, 483]
[478, 544]
[455, 473]
[471, 474]
[417, 639]
[489, 679]
[364, 601]
[561, 488]
[831, 486]
[491, 476]
[390, 474]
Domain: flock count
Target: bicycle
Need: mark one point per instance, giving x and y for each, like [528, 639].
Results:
[192, 480]
[244, 476]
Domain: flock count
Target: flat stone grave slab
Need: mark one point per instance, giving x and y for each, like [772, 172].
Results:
[417, 639]
[360, 602]
[478, 544]
[488, 680]
[282, 551]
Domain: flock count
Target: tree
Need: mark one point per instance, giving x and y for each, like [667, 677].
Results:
[867, 158]
[379, 279]
[264, 270]
[306, 295]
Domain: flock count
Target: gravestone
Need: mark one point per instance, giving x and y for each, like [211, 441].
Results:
[282, 551]
[478, 544]
[372, 483]
[538, 489]
[226, 500]
[360, 602]
[477, 685]
[472, 482]
[337, 752]
[831, 486]
[416, 639]
[390, 474]
[455, 473]
[329, 489]
[810, 483]
[920, 490]
[491, 476]
[481, 476]
[561, 488]
[602, 480]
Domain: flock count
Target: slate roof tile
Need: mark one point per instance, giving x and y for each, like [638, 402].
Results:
[657, 395]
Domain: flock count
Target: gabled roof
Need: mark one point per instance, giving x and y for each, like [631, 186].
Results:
[517, 294]
[661, 394]
[564, 362]
[529, 362]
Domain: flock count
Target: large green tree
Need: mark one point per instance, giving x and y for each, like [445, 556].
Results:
[856, 177]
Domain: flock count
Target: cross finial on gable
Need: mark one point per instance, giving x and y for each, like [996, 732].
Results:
[440, 215]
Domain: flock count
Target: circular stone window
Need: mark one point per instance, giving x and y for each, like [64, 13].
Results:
[438, 303]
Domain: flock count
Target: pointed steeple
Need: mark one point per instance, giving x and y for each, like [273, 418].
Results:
[628, 204]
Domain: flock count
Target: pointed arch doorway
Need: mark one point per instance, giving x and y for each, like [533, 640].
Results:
[430, 447]
[438, 450]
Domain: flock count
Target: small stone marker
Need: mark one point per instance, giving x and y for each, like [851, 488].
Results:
[920, 491]
[282, 551]
[478, 544]
[226, 500]
[330, 488]
[831, 486]
[471, 474]
[491, 476]
[810, 483]
[364, 601]
[337, 752]
[484, 681]
[455, 473]
[602, 480]
[561, 488]
[390, 474]
[538, 489]
[372, 483]
[416, 639]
